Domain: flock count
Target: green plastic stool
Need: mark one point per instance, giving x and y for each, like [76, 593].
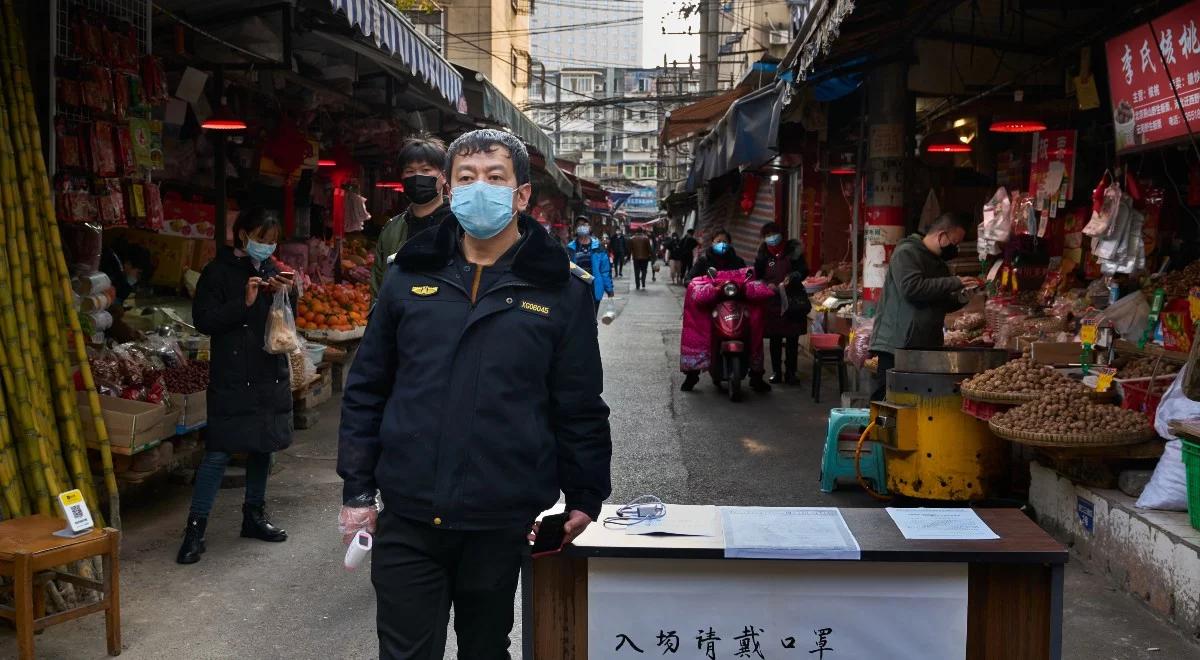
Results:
[839, 462]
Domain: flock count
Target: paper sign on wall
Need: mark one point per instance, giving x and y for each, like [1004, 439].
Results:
[640, 608]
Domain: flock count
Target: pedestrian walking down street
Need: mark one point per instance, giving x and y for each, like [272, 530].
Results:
[250, 390]
[421, 162]
[475, 400]
[588, 253]
[641, 249]
[781, 263]
[620, 251]
[918, 292]
[687, 254]
[674, 257]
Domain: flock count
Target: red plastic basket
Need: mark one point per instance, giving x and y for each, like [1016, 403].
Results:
[983, 410]
[1144, 395]
[826, 342]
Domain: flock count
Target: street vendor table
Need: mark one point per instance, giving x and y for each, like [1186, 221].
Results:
[1012, 588]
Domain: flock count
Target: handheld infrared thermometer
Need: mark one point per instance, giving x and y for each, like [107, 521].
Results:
[360, 545]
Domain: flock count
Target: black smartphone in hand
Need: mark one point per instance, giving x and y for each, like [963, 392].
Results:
[550, 535]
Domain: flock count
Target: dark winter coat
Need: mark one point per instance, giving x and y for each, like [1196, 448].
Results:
[918, 292]
[249, 392]
[775, 270]
[475, 415]
[728, 261]
[395, 233]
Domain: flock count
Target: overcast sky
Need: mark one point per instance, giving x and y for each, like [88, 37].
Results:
[665, 13]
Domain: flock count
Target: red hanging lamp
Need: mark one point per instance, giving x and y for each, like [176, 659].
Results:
[1018, 126]
[948, 148]
[223, 119]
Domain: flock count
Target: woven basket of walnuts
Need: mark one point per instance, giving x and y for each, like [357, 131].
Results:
[1064, 419]
[1023, 380]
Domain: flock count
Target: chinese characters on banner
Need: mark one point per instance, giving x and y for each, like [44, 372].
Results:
[711, 610]
[1142, 64]
[1052, 170]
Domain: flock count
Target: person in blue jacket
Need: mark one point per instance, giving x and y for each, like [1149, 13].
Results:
[588, 253]
[474, 401]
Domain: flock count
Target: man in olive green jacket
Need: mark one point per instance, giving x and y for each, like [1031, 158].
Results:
[421, 170]
[918, 293]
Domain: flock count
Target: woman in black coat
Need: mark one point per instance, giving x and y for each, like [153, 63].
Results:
[781, 262]
[249, 393]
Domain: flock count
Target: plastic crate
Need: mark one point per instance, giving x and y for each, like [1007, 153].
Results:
[1143, 395]
[1191, 463]
[983, 410]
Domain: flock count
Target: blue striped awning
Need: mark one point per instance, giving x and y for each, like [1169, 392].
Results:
[392, 33]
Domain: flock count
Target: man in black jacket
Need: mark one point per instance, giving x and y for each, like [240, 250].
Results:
[475, 399]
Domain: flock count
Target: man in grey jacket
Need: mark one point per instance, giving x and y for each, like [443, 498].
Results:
[918, 293]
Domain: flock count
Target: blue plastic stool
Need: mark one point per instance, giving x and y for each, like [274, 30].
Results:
[839, 461]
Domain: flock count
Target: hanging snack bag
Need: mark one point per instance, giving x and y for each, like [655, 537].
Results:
[281, 336]
[104, 157]
[96, 88]
[154, 80]
[154, 206]
[66, 144]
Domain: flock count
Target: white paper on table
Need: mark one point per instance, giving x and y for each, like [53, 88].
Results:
[787, 533]
[941, 524]
[680, 521]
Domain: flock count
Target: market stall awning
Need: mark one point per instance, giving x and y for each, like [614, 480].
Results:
[488, 103]
[745, 138]
[392, 33]
[697, 118]
[817, 27]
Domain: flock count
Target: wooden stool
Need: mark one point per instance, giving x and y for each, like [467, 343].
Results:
[29, 553]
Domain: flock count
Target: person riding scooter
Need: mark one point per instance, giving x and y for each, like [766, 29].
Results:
[696, 350]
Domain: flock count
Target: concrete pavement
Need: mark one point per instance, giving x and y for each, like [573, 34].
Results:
[248, 599]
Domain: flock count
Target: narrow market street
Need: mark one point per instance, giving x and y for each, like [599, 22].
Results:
[247, 599]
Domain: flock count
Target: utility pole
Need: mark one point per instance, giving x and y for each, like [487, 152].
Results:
[710, 24]
[557, 112]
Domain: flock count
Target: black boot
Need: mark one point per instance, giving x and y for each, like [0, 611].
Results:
[758, 384]
[689, 383]
[193, 540]
[256, 526]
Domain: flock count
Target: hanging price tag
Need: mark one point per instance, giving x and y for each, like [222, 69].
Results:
[1088, 332]
[1104, 378]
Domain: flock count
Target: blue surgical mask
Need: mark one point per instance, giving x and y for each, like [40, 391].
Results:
[583, 230]
[721, 247]
[483, 210]
[259, 251]
[774, 239]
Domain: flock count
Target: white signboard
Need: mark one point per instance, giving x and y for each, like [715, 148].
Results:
[775, 610]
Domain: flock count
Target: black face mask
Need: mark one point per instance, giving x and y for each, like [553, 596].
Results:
[949, 252]
[421, 188]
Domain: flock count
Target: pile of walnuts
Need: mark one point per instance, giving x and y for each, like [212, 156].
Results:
[1144, 367]
[1067, 413]
[1023, 376]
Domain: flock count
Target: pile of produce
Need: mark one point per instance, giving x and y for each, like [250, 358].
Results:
[1023, 376]
[1147, 367]
[1066, 413]
[42, 423]
[334, 307]
[187, 379]
[1177, 283]
[969, 321]
[357, 260]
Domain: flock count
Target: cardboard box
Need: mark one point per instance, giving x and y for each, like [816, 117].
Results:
[193, 409]
[316, 393]
[1055, 353]
[171, 255]
[170, 420]
[132, 425]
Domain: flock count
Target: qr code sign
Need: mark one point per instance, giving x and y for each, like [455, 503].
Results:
[76, 511]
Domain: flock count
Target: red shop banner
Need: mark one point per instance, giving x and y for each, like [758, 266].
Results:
[1142, 64]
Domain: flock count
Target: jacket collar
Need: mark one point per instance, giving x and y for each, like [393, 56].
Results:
[539, 260]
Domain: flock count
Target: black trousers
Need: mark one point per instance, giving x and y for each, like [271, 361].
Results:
[618, 265]
[639, 272]
[784, 352]
[419, 571]
[886, 362]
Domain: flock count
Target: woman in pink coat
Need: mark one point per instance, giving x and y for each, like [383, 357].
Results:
[696, 342]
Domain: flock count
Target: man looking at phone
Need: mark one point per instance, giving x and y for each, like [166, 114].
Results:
[474, 400]
[918, 292]
[421, 160]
